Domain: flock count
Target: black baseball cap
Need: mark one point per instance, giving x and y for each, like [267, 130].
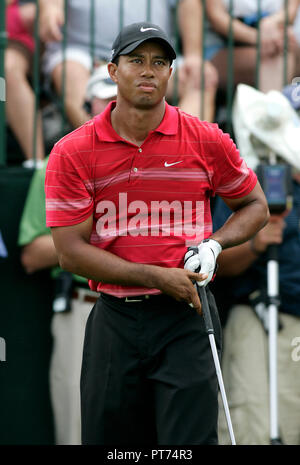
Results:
[130, 37]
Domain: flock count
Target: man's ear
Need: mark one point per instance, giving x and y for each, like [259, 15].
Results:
[112, 70]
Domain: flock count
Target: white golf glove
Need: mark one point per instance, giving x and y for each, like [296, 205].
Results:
[203, 259]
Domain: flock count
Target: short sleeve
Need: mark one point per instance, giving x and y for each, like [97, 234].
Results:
[232, 177]
[68, 188]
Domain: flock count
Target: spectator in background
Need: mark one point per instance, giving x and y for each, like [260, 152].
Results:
[245, 34]
[20, 100]
[245, 354]
[245, 267]
[297, 34]
[107, 21]
[38, 252]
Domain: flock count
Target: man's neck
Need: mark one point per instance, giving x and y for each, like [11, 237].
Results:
[134, 124]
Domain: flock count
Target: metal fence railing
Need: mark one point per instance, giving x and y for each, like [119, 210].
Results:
[2, 82]
[36, 78]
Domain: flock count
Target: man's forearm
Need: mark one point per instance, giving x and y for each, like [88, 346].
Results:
[220, 20]
[102, 266]
[242, 225]
[236, 260]
[39, 254]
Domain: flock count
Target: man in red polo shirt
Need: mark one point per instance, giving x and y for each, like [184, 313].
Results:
[126, 194]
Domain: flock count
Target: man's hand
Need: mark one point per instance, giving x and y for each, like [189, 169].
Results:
[178, 283]
[272, 36]
[51, 20]
[190, 73]
[203, 258]
[271, 234]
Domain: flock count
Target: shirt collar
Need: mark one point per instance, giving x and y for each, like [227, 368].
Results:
[105, 131]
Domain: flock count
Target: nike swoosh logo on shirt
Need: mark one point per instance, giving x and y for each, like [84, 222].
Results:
[171, 164]
[144, 29]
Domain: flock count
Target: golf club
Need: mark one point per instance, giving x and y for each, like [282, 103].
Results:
[211, 335]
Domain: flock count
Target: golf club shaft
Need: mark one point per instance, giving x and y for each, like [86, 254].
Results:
[210, 332]
[221, 385]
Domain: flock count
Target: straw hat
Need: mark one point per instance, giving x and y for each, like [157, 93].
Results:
[263, 123]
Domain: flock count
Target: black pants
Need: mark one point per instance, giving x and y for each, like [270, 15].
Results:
[148, 375]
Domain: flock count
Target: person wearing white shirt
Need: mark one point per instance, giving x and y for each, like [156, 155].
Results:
[245, 36]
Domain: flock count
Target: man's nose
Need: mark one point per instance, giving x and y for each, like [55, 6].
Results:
[147, 70]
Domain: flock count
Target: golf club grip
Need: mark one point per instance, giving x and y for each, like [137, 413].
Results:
[272, 252]
[205, 309]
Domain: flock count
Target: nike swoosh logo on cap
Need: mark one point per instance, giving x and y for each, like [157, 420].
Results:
[171, 164]
[144, 29]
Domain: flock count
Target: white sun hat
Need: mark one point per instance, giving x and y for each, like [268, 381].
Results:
[100, 84]
[265, 122]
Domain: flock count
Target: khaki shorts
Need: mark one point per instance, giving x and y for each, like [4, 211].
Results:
[245, 373]
[68, 334]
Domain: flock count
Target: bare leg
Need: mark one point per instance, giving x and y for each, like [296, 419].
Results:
[190, 100]
[297, 62]
[271, 72]
[20, 104]
[244, 67]
[75, 86]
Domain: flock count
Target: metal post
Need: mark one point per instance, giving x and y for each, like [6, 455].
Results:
[258, 46]
[149, 10]
[92, 31]
[285, 48]
[36, 79]
[64, 45]
[202, 61]
[273, 328]
[121, 14]
[175, 97]
[230, 72]
[273, 297]
[3, 39]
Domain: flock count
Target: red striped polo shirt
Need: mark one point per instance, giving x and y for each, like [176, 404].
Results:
[149, 203]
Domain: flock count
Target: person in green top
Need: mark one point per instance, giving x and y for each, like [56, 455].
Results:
[67, 327]
[38, 251]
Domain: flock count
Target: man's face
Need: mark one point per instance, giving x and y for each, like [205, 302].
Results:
[142, 76]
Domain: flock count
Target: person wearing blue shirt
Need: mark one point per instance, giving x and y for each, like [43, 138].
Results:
[245, 355]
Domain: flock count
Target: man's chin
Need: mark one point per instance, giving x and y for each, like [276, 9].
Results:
[146, 103]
